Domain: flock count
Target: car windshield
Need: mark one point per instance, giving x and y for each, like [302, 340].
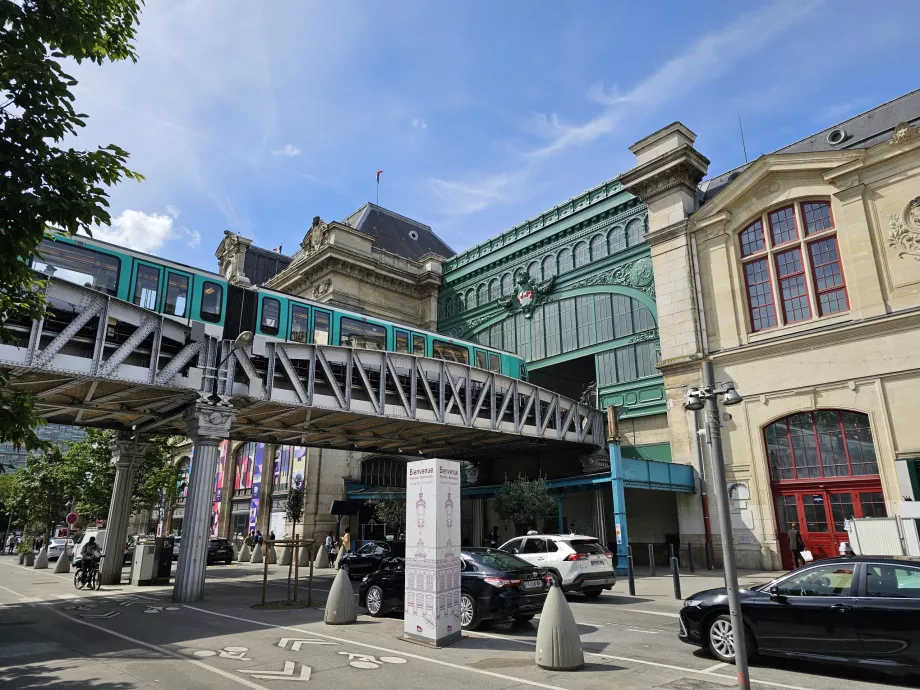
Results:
[499, 561]
[585, 546]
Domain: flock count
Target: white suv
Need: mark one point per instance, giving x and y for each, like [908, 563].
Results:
[579, 563]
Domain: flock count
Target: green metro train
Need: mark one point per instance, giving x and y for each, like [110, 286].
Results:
[188, 294]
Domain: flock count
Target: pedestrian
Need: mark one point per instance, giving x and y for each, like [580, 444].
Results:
[330, 544]
[250, 539]
[493, 538]
[346, 540]
[572, 528]
[259, 537]
[11, 543]
[271, 535]
[796, 545]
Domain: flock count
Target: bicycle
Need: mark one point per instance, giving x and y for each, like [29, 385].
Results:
[88, 576]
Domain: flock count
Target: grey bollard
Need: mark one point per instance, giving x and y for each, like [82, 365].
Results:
[558, 642]
[245, 554]
[272, 556]
[63, 564]
[256, 554]
[41, 560]
[322, 559]
[675, 575]
[339, 557]
[651, 560]
[286, 555]
[340, 605]
[303, 558]
[690, 558]
[631, 572]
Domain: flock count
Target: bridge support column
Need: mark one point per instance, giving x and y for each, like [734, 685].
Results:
[127, 456]
[619, 505]
[206, 425]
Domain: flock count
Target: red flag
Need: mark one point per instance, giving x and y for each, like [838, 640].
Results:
[378, 176]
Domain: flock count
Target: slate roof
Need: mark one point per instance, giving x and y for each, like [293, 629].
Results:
[397, 234]
[261, 264]
[862, 131]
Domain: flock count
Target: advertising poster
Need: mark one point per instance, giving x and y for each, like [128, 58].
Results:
[432, 596]
[299, 462]
[219, 486]
[256, 484]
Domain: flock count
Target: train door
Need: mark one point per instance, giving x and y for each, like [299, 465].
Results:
[175, 300]
[322, 321]
[146, 285]
[418, 344]
[402, 341]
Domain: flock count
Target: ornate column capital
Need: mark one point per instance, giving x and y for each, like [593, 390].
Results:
[128, 451]
[208, 424]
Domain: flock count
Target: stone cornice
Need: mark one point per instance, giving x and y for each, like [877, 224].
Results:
[680, 168]
[666, 233]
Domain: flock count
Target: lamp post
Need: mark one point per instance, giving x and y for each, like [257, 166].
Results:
[708, 397]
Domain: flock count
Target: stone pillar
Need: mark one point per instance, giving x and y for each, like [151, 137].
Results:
[126, 455]
[206, 425]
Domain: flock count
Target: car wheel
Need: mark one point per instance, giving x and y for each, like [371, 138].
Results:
[469, 617]
[592, 593]
[374, 601]
[229, 561]
[524, 619]
[722, 641]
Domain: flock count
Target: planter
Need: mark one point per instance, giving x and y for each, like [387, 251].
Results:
[30, 560]
[22, 558]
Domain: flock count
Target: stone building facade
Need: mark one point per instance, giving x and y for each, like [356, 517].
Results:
[798, 276]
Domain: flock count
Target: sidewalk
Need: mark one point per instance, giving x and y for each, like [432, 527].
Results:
[661, 587]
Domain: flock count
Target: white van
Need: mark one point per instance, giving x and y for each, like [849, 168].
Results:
[81, 539]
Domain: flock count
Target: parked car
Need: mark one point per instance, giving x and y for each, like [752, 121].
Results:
[493, 586]
[59, 547]
[579, 563]
[856, 610]
[368, 557]
[219, 551]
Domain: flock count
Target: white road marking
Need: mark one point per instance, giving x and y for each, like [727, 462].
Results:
[380, 649]
[31, 601]
[654, 613]
[714, 668]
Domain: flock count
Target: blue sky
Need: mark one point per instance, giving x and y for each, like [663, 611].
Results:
[256, 116]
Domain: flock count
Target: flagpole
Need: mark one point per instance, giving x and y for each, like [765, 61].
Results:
[378, 190]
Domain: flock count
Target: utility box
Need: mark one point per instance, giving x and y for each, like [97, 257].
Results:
[152, 561]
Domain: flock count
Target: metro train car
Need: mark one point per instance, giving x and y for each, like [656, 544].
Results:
[188, 295]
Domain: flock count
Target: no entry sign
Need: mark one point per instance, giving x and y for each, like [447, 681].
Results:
[72, 518]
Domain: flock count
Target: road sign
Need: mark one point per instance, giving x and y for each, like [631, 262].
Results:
[100, 523]
[71, 519]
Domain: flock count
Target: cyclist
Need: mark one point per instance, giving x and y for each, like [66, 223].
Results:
[91, 553]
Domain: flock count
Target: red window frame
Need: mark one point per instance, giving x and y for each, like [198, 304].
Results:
[747, 293]
[763, 241]
[830, 213]
[780, 277]
[795, 226]
[814, 274]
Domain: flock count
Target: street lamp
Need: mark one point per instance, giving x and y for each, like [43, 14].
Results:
[708, 397]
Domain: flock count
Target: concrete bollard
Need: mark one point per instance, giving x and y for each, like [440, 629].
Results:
[272, 555]
[63, 564]
[303, 558]
[651, 560]
[322, 558]
[245, 554]
[286, 555]
[41, 560]
[558, 642]
[339, 557]
[256, 554]
[340, 605]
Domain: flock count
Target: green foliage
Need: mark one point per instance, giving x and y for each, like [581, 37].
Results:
[390, 508]
[294, 509]
[44, 485]
[45, 184]
[524, 502]
[157, 478]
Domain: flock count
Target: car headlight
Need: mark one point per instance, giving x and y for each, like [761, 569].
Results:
[693, 602]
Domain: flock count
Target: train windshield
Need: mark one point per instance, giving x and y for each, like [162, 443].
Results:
[78, 265]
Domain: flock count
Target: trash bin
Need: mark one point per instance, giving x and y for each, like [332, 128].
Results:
[152, 561]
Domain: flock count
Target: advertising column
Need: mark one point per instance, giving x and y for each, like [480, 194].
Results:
[432, 597]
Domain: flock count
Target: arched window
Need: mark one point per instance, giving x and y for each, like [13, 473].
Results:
[634, 233]
[470, 299]
[533, 270]
[493, 289]
[616, 240]
[384, 471]
[598, 247]
[506, 285]
[461, 304]
[565, 261]
[481, 295]
[581, 254]
[448, 308]
[821, 444]
[549, 267]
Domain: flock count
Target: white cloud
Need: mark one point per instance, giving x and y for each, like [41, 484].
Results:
[418, 123]
[137, 230]
[287, 151]
[194, 237]
[172, 211]
[462, 197]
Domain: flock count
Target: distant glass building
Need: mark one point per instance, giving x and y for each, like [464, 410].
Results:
[58, 434]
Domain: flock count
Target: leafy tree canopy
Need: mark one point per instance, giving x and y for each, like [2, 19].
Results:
[390, 508]
[524, 502]
[294, 509]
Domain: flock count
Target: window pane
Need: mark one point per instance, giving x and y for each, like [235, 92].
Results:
[634, 233]
[551, 329]
[825, 262]
[626, 363]
[581, 254]
[779, 451]
[598, 247]
[760, 295]
[481, 295]
[606, 369]
[549, 268]
[450, 352]
[78, 265]
[842, 510]
[146, 286]
[817, 216]
[506, 282]
[321, 327]
[791, 274]
[402, 342]
[494, 293]
[212, 301]
[815, 514]
[782, 225]
[831, 444]
[893, 582]
[584, 311]
[176, 294]
[368, 336]
[786, 512]
[646, 359]
[752, 239]
[494, 362]
[538, 336]
[603, 318]
[508, 341]
[300, 323]
[271, 310]
[567, 315]
[522, 335]
[616, 240]
[495, 336]
[418, 345]
[873, 504]
[481, 359]
[622, 316]
[823, 581]
[565, 261]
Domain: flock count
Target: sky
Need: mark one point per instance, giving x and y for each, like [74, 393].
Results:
[255, 116]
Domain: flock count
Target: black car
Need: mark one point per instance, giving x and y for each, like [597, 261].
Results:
[369, 556]
[493, 586]
[859, 609]
[219, 551]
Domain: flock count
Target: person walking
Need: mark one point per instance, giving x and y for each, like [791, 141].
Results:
[259, 538]
[346, 540]
[330, 545]
[796, 545]
[493, 538]
[11, 544]
[271, 535]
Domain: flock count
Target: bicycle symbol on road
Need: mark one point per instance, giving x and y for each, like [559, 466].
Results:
[368, 663]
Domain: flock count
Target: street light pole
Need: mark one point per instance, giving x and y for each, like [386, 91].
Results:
[714, 436]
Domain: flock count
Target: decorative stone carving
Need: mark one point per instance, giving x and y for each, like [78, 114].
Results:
[904, 236]
[323, 288]
[528, 295]
[637, 274]
[645, 336]
[904, 134]
[128, 451]
[231, 254]
[316, 237]
[207, 423]
[684, 174]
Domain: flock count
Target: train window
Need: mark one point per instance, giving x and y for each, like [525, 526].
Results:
[212, 301]
[78, 265]
[146, 286]
[481, 359]
[321, 327]
[300, 323]
[368, 336]
[418, 345]
[176, 294]
[271, 313]
[450, 352]
[402, 341]
[494, 362]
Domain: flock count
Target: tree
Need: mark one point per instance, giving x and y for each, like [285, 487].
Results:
[390, 509]
[157, 478]
[44, 485]
[294, 509]
[523, 502]
[45, 184]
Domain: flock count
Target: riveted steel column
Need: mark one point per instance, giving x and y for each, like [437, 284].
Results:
[127, 454]
[207, 425]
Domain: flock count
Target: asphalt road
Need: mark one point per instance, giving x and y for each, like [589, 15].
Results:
[126, 637]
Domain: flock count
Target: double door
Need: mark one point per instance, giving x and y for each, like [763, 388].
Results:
[822, 511]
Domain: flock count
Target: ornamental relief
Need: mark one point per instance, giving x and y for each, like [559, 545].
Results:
[904, 233]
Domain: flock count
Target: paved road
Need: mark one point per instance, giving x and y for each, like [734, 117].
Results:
[126, 637]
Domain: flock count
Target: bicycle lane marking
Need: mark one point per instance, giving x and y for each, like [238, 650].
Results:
[401, 653]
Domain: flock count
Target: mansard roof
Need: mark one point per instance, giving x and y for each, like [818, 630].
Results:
[397, 234]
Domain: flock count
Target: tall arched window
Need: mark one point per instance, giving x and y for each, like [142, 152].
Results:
[581, 254]
[634, 232]
[493, 289]
[616, 240]
[565, 261]
[598, 247]
[506, 285]
[384, 471]
[533, 270]
[470, 299]
[549, 267]
[481, 295]
[461, 304]
[448, 308]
